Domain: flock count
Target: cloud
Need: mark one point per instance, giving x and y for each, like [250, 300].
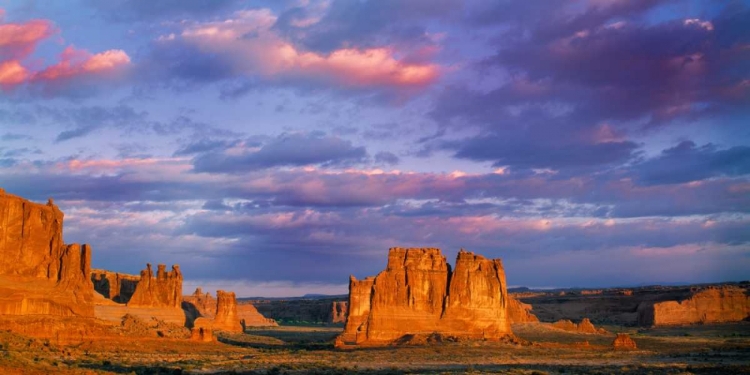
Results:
[386, 157]
[292, 149]
[687, 162]
[74, 67]
[246, 45]
[139, 10]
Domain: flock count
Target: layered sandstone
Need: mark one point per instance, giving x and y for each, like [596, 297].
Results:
[520, 312]
[39, 273]
[418, 294]
[585, 326]
[199, 304]
[250, 317]
[338, 311]
[164, 290]
[226, 318]
[118, 287]
[623, 342]
[711, 305]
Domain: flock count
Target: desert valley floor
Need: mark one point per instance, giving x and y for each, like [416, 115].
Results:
[703, 349]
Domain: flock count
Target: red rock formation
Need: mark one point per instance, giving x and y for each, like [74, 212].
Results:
[520, 312]
[360, 296]
[585, 326]
[623, 342]
[417, 294]
[164, 290]
[202, 330]
[39, 274]
[250, 317]
[118, 287]
[338, 312]
[226, 318]
[199, 304]
[711, 305]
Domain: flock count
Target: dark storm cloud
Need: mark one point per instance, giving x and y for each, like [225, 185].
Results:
[386, 157]
[687, 162]
[295, 149]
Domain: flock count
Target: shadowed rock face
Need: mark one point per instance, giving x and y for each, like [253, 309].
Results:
[418, 294]
[226, 318]
[118, 287]
[164, 290]
[39, 274]
[338, 311]
[711, 305]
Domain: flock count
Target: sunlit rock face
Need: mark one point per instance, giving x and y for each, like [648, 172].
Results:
[250, 317]
[419, 294]
[711, 305]
[163, 290]
[39, 274]
[226, 318]
[520, 312]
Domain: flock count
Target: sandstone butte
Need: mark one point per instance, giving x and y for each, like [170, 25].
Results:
[202, 330]
[419, 295]
[710, 305]
[520, 312]
[201, 304]
[623, 342]
[164, 290]
[118, 287]
[226, 318]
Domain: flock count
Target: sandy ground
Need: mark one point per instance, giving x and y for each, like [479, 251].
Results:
[713, 349]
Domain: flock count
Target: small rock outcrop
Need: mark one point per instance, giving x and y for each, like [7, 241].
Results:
[585, 326]
[519, 312]
[419, 295]
[118, 287]
[202, 331]
[623, 342]
[39, 273]
[710, 305]
[164, 290]
[338, 311]
[226, 318]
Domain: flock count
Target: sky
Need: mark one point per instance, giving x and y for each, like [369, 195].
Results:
[274, 148]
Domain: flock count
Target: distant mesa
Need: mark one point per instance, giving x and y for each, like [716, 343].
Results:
[221, 311]
[711, 305]
[585, 326]
[419, 295]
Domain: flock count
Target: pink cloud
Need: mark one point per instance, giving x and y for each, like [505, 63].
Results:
[19, 40]
[270, 55]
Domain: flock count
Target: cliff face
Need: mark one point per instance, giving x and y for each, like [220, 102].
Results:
[520, 312]
[226, 318]
[250, 317]
[118, 287]
[164, 290]
[199, 304]
[418, 294]
[39, 274]
[711, 305]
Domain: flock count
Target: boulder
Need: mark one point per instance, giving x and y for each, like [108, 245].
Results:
[226, 318]
[623, 342]
[164, 290]
[710, 305]
[202, 330]
[418, 295]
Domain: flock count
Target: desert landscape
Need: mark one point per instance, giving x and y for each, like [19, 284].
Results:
[419, 315]
[528, 187]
